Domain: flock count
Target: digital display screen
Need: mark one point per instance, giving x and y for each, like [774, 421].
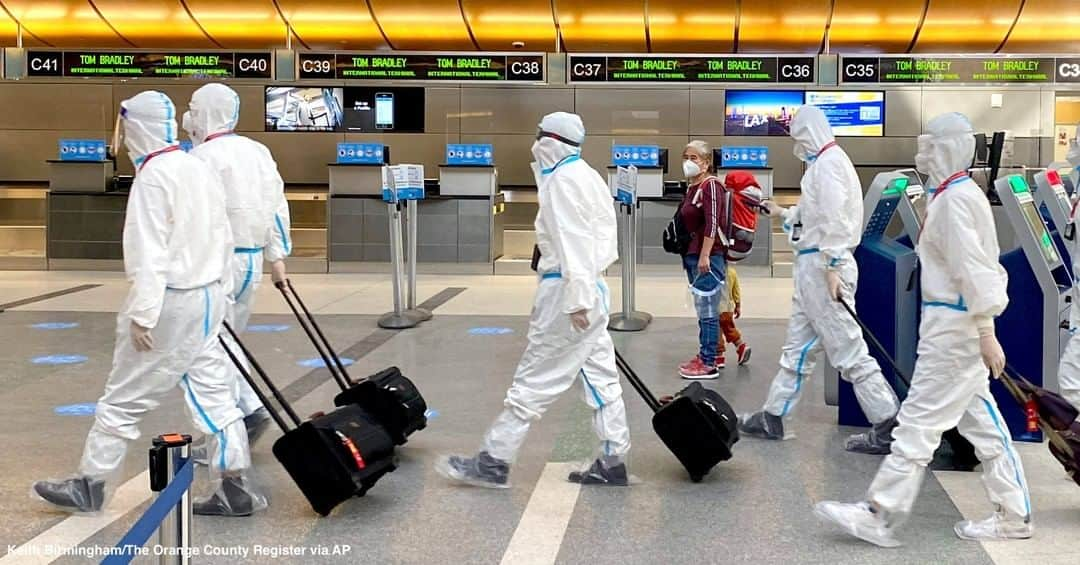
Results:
[484, 67]
[960, 70]
[384, 109]
[298, 108]
[690, 68]
[760, 112]
[1038, 229]
[133, 64]
[850, 113]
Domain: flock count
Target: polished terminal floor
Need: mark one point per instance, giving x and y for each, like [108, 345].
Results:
[755, 508]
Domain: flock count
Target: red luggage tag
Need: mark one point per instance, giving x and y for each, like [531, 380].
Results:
[352, 449]
[1032, 415]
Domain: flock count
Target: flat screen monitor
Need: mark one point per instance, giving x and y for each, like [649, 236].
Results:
[852, 113]
[384, 109]
[304, 108]
[760, 112]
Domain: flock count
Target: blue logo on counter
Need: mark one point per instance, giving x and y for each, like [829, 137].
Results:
[732, 157]
[360, 153]
[639, 155]
[82, 149]
[469, 154]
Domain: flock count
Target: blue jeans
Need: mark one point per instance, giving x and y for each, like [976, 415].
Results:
[707, 308]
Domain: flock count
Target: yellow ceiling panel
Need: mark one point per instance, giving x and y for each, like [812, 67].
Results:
[423, 24]
[153, 23]
[9, 32]
[333, 24]
[240, 24]
[497, 24]
[64, 23]
[1046, 26]
[602, 25]
[870, 26]
[791, 26]
[701, 27]
[965, 26]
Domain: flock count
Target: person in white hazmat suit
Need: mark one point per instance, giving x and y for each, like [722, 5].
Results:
[824, 229]
[568, 340]
[963, 289]
[1069, 368]
[177, 256]
[258, 215]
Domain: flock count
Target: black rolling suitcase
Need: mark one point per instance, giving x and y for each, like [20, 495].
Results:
[388, 395]
[331, 457]
[698, 425]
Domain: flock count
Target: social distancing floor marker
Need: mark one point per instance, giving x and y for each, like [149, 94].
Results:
[318, 363]
[62, 538]
[59, 359]
[55, 325]
[540, 531]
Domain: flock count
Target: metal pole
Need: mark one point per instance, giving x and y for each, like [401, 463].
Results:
[627, 262]
[398, 319]
[631, 244]
[168, 455]
[419, 313]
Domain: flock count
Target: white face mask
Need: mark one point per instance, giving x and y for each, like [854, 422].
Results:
[803, 153]
[690, 169]
[922, 154]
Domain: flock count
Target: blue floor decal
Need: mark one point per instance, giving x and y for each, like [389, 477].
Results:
[80, 409]
[58, 359]
[55, 325]
[268, 328]
[490, 331]
[317, 363]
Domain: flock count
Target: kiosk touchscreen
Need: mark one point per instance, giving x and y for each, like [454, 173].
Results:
[1033, 329]
[887, 298]
[1054, 202]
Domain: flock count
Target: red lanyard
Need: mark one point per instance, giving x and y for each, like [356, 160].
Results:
[168, 149]
[956, 177]
[827, 147]
[214, 136]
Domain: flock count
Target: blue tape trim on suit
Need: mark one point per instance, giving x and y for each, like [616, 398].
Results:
[599, 405]
[206, 313]
[555, 275]
[247, 276]
[959, 305]
[206, 420]
[798, 375]
[284, 236]
[151, 520]
[247, 250]
[810, 251]
[1012, 456]
[565, 161]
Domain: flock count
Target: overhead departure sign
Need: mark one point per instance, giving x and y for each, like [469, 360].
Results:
[949, 70]
[134, 64]
[485, 67]
[689, 69]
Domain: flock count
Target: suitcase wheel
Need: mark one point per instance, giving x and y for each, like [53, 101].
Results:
[696, 478]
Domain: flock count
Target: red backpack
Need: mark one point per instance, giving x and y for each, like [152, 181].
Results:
[743, 196]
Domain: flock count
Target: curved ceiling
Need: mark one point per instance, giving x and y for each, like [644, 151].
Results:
[670, 26]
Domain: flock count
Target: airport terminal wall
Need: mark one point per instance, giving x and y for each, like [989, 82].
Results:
[38, 113]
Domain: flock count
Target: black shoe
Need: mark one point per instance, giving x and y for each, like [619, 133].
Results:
[876, 441]
[81, 494]
[762, 425]
[600, 473]
[232, 499]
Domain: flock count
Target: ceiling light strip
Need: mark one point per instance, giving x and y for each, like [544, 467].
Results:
[23, 27]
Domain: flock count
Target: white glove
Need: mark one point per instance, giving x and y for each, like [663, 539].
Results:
[277, 272]
[580, 320]
[832, 278]
[141, 338]
[992, 354]
[772, 208]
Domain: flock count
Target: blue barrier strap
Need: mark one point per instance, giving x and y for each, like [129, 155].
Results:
[145, 527]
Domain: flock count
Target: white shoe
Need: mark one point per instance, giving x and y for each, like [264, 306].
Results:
[999, 526]
[859, 521]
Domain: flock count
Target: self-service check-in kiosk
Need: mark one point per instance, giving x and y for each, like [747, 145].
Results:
[887, 297]
[1034, 328]
[1054, 202]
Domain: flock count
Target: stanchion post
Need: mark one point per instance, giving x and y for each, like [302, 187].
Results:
[400, 318]
[629, 320]
[412, 240]
[168, 454]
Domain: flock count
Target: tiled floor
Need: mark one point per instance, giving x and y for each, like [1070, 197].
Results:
[753, 509]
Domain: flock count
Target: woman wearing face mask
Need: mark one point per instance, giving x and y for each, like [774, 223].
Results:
[704, 262]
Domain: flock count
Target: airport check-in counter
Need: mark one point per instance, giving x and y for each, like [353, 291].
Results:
[23, 220]
[459, 221]
[656, 211]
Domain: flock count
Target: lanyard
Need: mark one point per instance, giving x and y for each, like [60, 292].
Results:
[214, 136]
[168, 149]
[827, 147]
[565, 160]
[955, 178]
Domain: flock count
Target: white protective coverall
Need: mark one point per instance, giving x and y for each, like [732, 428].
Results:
[255, 200]
[1069, 369]
[963, 289]
[177, 248]
[576, 233]
[830, 212]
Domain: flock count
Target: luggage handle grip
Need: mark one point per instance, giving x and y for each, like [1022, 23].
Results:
[637, 383]
[255, 387]
[1009, 378]
[335, 366]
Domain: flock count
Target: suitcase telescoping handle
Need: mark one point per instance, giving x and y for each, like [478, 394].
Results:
[322, 345]
[877, 344]
[636, 382]
[255, 387]
[1009, 378]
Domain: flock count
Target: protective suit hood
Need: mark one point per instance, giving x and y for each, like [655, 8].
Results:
[148, 120]
[949, 147]
[214, 108]
[811, 131]
[556, 138]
